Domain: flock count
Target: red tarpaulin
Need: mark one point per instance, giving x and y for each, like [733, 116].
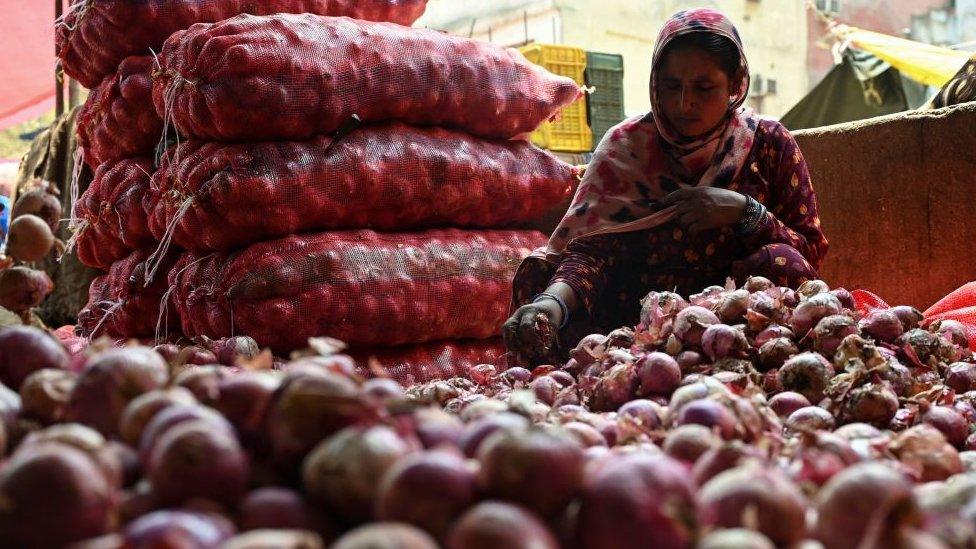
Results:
[26, 60]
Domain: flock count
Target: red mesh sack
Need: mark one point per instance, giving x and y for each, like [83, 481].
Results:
[867, 302]
[428, 361]
[110, 221]
[960, 306]
[292, 77]
[389, 177]
[119, 120]
[96, 35]
[121, 306]
[361, 287]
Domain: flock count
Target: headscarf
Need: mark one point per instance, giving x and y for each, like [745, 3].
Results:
[643, 159]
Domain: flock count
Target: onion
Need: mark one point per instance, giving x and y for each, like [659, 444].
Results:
[961, 377]
[194, 460]
[950, 422]
[637, 497]
[196, 356]
[659, 374]
[434, 428]
[44, 395]
[720, 459]
[136, 502]
[736, 538]
[810, 418]
[690, 324]
[383, 389]
[807, 314]
[84, 439]
[53, 495]
[787, 402]
[29, 239]
[202, 381]
[490, 525]
[910, 317]
[930, 348]
[882, 325]
[807, 374]
[275, 508]
[953, 331]
[477, 431]
[762, 496]
[144, 407]
[169, 352]
[687, 360]
[688, 442]
[229, 351]
[711, 414]
[345, 470]
[621, 338]
[831, 331]
[23, 288]
[771, 332]
[110, 381]
[545, 389]
[243, 399]
[516, 375]
[25, 350]
[615, 388]
[722, 341]
[775, 352]
[584, 434]
[563, 378]
[645, 413]
[845, 297]
[874, 403]
[171, 416]
[924, 450]
[590, 349]
[770, 382]
[40, 203]
[428, 490]
[732, 308]
[128, 457]
[694, 391]
[540, 468]
[174, 528]
[275, 539]
[862, 500]
[812, 288]
[308, 408]
[757, 284]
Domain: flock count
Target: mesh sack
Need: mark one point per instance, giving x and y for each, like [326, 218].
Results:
[361, 287]
[866, 301]
[390, 178]
[960, 305]
[119, 120]
[96, 35]
[428, 361]
[293, 77]
[110, 221]
[120, 305]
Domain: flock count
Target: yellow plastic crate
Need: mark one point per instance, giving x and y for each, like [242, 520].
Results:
[571, 133]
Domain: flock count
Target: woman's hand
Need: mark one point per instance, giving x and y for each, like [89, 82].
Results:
[532, 330]
[703, 208]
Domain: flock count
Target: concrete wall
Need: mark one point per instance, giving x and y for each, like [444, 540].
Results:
[897, 198]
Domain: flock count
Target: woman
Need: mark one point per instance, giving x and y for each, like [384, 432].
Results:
[696, 191]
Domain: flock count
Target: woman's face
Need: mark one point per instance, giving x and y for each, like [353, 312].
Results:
[693, 91]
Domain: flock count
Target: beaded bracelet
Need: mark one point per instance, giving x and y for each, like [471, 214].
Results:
[559, 301]
[751, 218]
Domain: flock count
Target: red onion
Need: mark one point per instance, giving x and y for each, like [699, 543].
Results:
[29, 239]
[345, 470]
[194, 460]
[196, 356]
[169, 352]
[491, 525]
[144, 407]
[172, 416]
[563, 378]
[646, 413]
[755, 494]
[910, 317]
[84, 439]
[202, 381]
[275, 508]
[953, 331]
[383, 389]
[614, 388]
[950, 422]
[244, 399]
[545, 389]
[736, 538]
[590, 349]
[930, 348]
[688, 360]
[770, 382]
[637, 497]
[807, 314]
[40, 203]
[517, 374]
[584, 434]
[44, 395]
[175, 528]
[721, 341]
[924, 450]
[136, 502]
[830, 332]
[874, 403]
[711, 414]
[428, 490]
[812, 288]
[110, 381]
[342, 365]
[128, 457]
[53, 495]
[621, 338]
[24, 350]
[434, 428]
[694, 391]
[810, 418]
[477, 431]
[732, 308]
[720, 459]
[882, 325]
[845, 297]
[771, 332]
[23, 288]
[807, 374]
[277, 539]
[690, 324]
[961, 377]
[232, 349]
[659, 374]
[541, 469]
[775, 352]
[897, 376]
[787, 402]
[860, 501]
[757, 284]
[688, 442]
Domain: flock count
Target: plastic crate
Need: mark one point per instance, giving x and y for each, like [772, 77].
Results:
[571, 132]
[605, 106]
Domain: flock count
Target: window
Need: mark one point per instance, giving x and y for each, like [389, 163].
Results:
[771, 85]
[829, 6]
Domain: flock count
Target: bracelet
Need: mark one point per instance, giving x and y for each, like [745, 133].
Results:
[752, 216]
[559, 301]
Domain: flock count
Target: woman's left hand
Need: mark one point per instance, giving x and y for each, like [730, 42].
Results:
[702, 208]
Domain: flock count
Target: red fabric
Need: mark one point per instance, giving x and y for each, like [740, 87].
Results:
[121, 306]
[429, 361]
[98, 34]
[959, 305]
[361, 287]
[119, 120]
[388, 177]
[867, 301]
[292, 77]
[26, 60]
[113, 222]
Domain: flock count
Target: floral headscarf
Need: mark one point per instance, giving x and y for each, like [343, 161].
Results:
[643, 159]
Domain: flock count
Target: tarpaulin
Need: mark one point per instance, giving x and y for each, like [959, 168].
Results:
[925, 63]
[26, 60]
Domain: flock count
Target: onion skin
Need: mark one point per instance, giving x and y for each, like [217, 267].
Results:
[831, 331]
[961, 377]
[29, 239]
[690, 324]
[44, 395]
[277, 539]
[40, 203]
[722, 341]
[171, 417]
[775, 352]
[924, 450]
[491, 524]
[25, 350]
[807, 314]
[721, 459]
[22, 288]
[874, 403]
[810, 418]
[807, 374]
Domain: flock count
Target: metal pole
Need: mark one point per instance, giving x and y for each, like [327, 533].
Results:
[58, 74]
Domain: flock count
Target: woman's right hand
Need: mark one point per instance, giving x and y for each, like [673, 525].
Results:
[532, 331]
